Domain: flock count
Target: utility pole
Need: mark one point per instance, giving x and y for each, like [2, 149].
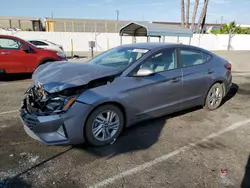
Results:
[117, 15]
[52, 15]
[221, 20]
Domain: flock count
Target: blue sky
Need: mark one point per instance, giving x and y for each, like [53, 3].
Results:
[146, 10]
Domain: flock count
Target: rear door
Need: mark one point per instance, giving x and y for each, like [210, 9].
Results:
[196, 74]
[10, 56]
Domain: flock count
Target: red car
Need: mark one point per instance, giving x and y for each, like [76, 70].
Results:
[20, 56]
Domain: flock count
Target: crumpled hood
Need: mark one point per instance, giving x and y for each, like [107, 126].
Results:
[57, 76]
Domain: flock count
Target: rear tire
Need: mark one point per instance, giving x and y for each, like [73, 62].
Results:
[214, 97]
[101, 130]
[2, 75]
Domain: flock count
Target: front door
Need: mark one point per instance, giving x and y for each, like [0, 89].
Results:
[159, 93]
[9, 56]
[14, 60]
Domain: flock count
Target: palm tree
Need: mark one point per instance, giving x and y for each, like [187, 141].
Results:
[182, 13]
[196, 5]
[187, 13]
[203, 13]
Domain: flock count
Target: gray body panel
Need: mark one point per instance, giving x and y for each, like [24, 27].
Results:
[58, 76]
[140, 97]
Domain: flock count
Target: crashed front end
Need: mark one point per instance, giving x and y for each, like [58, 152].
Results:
[41, 103]
[54, 118]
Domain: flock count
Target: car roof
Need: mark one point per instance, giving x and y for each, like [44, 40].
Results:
[37, 40]
[159, 45]
[154, 45]
[9, 36]
[147, 45]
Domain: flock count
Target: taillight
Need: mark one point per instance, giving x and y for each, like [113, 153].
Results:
[228, 66]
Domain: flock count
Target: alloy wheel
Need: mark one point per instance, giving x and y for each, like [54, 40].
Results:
[105, 125]
[215, 96]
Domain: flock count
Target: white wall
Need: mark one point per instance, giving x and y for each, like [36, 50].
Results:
[109, 40]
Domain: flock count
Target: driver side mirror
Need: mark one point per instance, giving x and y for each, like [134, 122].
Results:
[24, 48]
[144, 71]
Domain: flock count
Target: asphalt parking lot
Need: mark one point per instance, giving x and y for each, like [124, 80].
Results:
[183, 150]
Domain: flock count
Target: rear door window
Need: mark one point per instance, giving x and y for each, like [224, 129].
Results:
[190, 57]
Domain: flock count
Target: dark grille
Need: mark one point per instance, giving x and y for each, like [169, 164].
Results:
[31, 125]
[30, 122]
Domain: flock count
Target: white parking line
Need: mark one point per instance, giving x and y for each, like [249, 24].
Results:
[8, 112]
[168, 156]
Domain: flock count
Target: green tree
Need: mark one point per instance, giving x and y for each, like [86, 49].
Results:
[231, 28]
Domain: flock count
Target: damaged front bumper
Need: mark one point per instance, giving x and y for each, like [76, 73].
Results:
[59, 129]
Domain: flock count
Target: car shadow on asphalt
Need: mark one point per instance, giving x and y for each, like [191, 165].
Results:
[15, 77]
[246, 179]
[137, 137]
[142, 135]
[234, 89]
[14, 183]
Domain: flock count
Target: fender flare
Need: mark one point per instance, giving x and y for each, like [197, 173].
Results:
[45, 60]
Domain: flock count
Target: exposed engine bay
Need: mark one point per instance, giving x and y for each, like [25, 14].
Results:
[42, 103]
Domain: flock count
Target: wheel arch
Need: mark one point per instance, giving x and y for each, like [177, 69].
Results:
[211, 85]
[46, 60]
[115, 103]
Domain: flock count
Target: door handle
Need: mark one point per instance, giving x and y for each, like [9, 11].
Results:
[5, 53]
[174, 80]
[210, 71]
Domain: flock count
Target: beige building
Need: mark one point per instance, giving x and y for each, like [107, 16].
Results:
[22, 23]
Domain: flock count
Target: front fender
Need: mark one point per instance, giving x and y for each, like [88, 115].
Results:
[98, 96]
[92, 98]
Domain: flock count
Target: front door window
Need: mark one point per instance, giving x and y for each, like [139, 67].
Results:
[10, 44]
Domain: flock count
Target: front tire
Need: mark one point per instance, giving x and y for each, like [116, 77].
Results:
[104, 125]
[214, 97]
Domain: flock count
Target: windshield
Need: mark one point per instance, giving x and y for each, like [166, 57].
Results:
[120, 57]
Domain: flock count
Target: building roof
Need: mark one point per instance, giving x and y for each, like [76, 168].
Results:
[154, 30]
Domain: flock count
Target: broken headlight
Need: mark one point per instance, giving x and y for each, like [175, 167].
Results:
[60, 104]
